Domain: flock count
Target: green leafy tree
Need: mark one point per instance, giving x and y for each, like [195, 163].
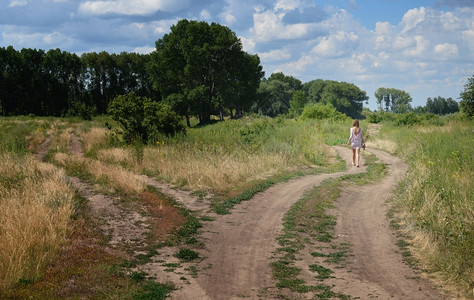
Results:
[143, 119]
[241, 91]
[297, 103]
[196, 57]
[467, 96]
[441, 106]
[345, 97]
[275, 93]
[314, 90]
[393, 100]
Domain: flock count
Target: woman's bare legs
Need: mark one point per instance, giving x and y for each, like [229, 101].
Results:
[357, 155]
[353, 156]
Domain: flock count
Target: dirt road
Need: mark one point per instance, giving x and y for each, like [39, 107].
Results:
[239, 246]
[376, 269]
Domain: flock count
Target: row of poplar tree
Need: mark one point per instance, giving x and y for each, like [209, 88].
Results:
[199, 69]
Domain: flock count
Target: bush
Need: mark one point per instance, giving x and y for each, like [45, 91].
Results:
[374, 118]
[143, 119]
[407, 119]
[320, 111]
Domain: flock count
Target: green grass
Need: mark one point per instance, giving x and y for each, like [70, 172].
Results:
[435, 199]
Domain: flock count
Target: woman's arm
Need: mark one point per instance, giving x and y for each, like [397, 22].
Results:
[350, 137]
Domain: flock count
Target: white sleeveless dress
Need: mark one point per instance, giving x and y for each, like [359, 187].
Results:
[356, 140]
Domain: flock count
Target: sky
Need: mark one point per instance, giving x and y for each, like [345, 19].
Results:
[424, 47]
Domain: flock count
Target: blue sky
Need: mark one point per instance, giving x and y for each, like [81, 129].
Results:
[424, 47]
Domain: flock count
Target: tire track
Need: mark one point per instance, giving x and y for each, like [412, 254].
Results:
[239, 246]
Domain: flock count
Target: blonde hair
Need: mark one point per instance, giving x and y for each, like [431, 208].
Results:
[355, 123]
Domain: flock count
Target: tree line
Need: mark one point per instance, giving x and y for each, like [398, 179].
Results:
[198, 70]
[58, 83]
[398, 101]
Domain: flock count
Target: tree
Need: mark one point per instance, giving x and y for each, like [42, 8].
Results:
[345, 97]
[241, 94]
[11, 90]
[441, 106]
[467, 96]
[297, 103]
[393, 100]
[314, 90]
[197, 57]
[143, 119]
[275, 93]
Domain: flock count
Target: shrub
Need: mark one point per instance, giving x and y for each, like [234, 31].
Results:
[320, 111]
[407, 119]
[374, 118]
[143, 119]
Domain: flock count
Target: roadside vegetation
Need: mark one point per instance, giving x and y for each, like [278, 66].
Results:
[164, 116]
[434, 203]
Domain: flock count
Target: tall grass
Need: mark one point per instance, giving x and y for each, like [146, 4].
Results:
[229, 154]
[36, 203]
[436, 198]
[217, 157]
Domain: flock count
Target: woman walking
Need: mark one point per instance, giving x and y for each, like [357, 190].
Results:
[356, 140]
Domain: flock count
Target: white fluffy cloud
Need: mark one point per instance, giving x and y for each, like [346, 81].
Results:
[446, 51]
[287, 4]
[15, 3]
[131, 7]
[275, 55]
[412, 18]
[337, 44]
[269, 25]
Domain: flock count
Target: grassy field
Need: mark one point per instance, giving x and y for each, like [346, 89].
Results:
[434, 204]
[36, 204]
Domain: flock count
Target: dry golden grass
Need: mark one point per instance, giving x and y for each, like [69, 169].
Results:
[35, 211]
[116, 156]
[36, 139]
[60, 139]
[427, 247]
[207, 170]
[93, 138]
[387, 145]
[108, 175]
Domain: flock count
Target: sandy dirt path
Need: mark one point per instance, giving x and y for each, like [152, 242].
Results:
[239, 246]
[376, 270]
